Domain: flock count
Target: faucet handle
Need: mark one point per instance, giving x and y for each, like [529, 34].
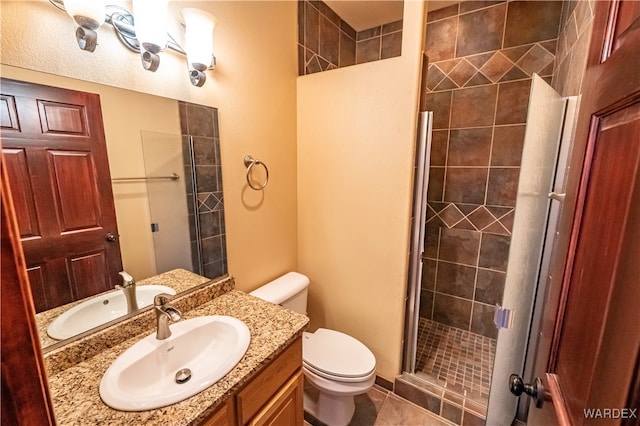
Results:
[161, 299]
[127, 279]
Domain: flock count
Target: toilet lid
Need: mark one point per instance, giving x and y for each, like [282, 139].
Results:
[337, 354]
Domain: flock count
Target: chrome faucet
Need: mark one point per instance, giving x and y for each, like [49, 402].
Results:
[165, 313]
[128, 287]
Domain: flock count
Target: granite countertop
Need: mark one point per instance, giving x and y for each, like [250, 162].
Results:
[74, 387]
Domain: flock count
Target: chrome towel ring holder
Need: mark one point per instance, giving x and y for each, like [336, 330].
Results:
[249, 162]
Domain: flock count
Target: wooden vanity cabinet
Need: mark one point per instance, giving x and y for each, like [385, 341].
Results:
[224, 416]
[273, 397]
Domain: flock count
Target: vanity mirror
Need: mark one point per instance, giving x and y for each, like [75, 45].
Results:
[163, 222]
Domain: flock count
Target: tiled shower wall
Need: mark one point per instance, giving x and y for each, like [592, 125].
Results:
[326, 42]
[201, 123]
[482, 55]
[573, 46]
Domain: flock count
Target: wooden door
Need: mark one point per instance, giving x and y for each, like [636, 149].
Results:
[25, 394]
[55, 155]
[592, 362]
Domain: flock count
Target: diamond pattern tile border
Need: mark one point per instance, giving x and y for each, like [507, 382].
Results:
[493, 67]
[490, 219]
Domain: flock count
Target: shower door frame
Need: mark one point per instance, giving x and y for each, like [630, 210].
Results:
[419, 213]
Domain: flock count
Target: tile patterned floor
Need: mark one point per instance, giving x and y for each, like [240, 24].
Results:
[459, 365]
[456, 359]
[379, 407]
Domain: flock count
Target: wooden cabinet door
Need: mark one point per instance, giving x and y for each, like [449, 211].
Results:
[224, 416]
[285, 408]
[55, 155]
[593, 371]
[259, 392]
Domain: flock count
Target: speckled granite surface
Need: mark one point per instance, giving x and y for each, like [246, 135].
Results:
[75, 394]
[179, 279]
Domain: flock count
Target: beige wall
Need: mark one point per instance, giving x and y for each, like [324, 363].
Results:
[356, 133]
[253, 86]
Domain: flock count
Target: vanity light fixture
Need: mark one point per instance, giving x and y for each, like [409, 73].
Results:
[199, 47]
[89, 15]
[150, 25]
[146, 33]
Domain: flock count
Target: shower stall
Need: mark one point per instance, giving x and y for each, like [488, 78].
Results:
[453, 361]
[476, 154]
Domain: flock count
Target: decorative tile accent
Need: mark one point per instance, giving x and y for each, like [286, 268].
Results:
[450, 215]
[535, 60]
[493, 220]
[462, 73]
[491, 67]
[496, 66]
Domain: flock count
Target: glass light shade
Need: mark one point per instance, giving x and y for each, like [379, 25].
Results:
[151, 19]
[86, 13]
[199, 37]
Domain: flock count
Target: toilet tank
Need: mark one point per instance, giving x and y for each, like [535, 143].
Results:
[289, 291]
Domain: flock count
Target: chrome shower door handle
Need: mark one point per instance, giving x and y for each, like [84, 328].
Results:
[557, 196]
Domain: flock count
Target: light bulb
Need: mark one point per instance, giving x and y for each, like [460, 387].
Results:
[199, 38]
[150, 23]
[86, 13]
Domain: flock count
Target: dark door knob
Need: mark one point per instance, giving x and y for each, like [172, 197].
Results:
[517, 386]
[112, 238]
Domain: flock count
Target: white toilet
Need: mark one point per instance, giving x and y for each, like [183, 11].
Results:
[335, 364]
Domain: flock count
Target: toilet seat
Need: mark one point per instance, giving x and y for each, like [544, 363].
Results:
[337, 356]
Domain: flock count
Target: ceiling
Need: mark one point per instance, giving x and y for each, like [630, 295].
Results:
[365, 14]
[362, 15]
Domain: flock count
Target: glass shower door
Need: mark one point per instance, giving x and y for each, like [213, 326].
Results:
[542, 140]
[167, 200]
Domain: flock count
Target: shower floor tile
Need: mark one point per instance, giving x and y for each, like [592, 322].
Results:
[458, 360]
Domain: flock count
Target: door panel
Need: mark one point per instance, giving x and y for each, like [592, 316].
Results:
[84, 280]
[38, 289]
[15, 162]
[611, 181]
[55, 154]
[62, 118]
[73, 181]
[8, 113]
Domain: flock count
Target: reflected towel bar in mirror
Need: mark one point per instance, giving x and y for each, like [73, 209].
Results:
[173, 176]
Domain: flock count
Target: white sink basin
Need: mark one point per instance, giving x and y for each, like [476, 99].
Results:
[144, 376]
[100, 310]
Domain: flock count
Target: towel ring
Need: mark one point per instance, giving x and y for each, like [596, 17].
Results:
[249, 162]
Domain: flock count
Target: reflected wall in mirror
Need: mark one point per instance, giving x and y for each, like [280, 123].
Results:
[146, 136]
[334, 34]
